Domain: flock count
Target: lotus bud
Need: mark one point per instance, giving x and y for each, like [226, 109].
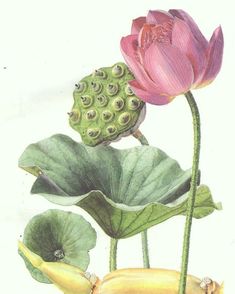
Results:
[67, 278]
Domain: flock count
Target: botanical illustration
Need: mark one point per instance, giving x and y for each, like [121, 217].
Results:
[125, 191]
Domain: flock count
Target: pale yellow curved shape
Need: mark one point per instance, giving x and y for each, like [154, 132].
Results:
[67, 278]
[221, 289]
[72, 280]
[147, 281]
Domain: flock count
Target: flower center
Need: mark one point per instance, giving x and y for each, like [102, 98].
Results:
[59, 254]
[151, 33]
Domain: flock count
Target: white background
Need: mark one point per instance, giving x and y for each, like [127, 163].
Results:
[47, 46]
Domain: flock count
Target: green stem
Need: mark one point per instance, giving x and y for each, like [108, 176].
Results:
[144, 237]
[139, 136]
[192, 192]
[113, 254]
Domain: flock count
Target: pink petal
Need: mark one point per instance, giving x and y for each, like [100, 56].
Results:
[183, 39]
[158, 17]
[137, 24]
[129, 51]
[146, 36]
[169, 68]
[192, 25]
[215, 56]
[149, 97]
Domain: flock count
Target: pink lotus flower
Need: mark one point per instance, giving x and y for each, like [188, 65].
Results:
[169, 55]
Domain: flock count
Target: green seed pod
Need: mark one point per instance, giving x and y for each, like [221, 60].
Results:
[106, 109]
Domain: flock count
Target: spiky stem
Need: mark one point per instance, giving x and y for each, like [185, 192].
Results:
[113, 254]
[192, 192]
[144, 235]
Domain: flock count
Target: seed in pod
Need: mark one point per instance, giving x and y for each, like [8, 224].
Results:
[128, 90]
[86, 101]
[118, 104]
[91, 114]
[118, 70]
[99, 73]
[80, 87]
[93, 133]
[102, 100]
[133, 103]
[107, 115]
[96, 87]
[124, 118]
[112, 89]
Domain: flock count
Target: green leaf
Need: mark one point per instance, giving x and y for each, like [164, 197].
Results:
[125, 191]
[61, 236]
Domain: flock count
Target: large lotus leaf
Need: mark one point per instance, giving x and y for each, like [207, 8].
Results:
[125, 191]
[56, 235]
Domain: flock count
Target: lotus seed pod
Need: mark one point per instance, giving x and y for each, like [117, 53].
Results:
[105, 108]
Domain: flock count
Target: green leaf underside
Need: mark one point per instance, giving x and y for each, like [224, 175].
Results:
[59, 230]
[125, 191]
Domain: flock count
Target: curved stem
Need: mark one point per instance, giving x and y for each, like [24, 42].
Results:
[144, 236]
[139, 136]
[113, 254]
[192, 192]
